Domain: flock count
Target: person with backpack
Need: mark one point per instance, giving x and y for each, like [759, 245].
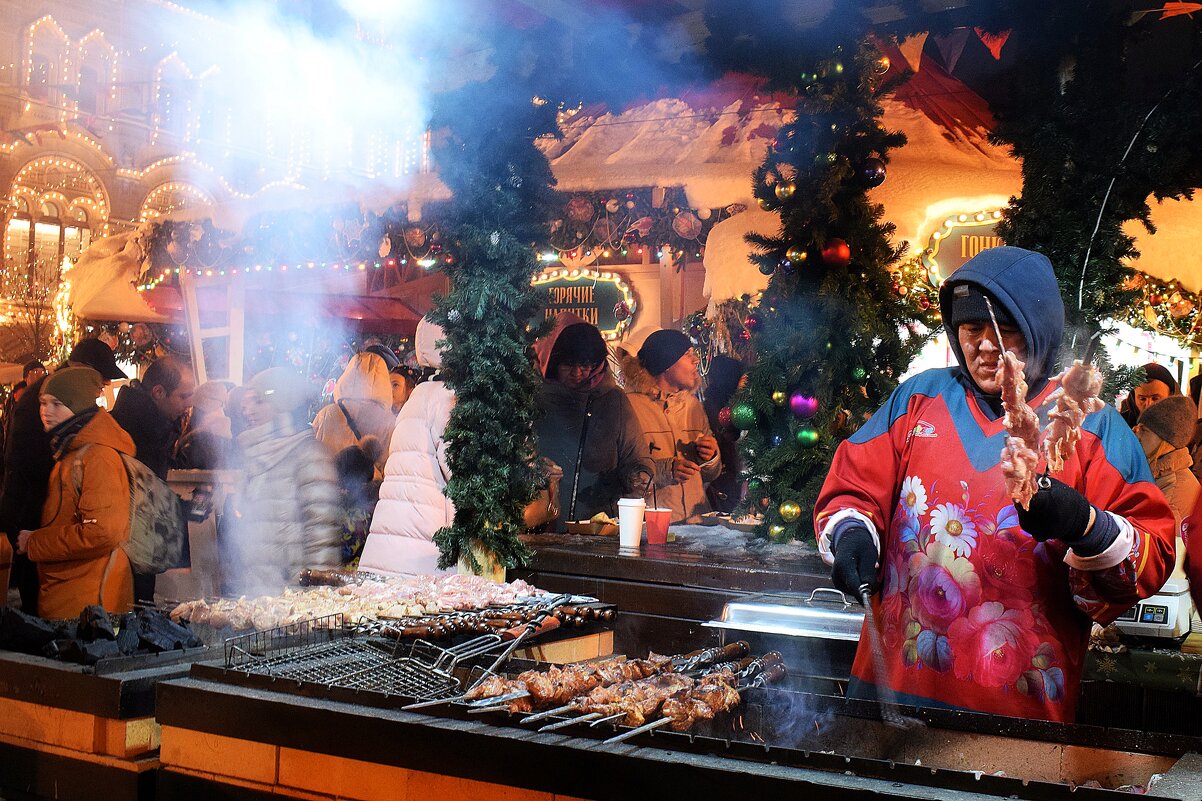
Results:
[149, 411]
[28, 462]
[85, 519]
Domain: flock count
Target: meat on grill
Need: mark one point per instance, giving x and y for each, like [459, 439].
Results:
[717, 693]
[638, 698]
[558, 685]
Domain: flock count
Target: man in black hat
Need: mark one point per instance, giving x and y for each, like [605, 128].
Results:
[27, 463]
[661, 384]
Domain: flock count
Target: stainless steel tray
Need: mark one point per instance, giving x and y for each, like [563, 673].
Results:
[823, 614]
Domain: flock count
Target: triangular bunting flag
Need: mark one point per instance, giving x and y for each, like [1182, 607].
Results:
[911, 49]
[1178, 9]
[951, 46]
[994, 42]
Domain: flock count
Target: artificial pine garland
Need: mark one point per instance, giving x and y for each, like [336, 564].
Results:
[502, 199]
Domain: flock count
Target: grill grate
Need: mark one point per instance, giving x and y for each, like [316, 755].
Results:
[324, 651]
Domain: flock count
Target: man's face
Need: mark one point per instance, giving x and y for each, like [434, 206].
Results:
[34, 375]
[574, 376]
[683, 375]
[982, 353]
[1149, 393]
[174, 404]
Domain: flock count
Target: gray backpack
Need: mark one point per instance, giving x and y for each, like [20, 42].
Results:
[156, 524]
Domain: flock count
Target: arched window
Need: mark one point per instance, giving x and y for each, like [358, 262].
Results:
[97, 74]
[172, 198]
[47, 60]
[59, 205]
[173, 98]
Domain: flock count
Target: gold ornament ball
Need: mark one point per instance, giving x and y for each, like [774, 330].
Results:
[881, 65]
[779, 398]
[776, 532]
[766, 205]
[797, 254]
[789, 511]
[785, 191]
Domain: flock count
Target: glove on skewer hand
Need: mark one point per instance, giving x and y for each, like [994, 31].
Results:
[855, 559]
[1057, 511]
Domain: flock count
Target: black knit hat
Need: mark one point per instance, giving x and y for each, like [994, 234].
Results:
[580, 343]
[1157, 372]
[663, 349]
[968, 306]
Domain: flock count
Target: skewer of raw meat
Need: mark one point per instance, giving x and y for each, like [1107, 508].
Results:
[1020, 456]
[1077, 397]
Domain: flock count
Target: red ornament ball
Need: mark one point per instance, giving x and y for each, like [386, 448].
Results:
[724, 417]
[837, 253]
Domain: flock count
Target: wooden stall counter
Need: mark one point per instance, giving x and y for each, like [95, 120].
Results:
[66, 731]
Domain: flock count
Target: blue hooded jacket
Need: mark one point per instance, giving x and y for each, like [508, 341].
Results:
[1024, 284]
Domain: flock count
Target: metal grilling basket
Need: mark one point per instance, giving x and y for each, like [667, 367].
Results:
[323, 651]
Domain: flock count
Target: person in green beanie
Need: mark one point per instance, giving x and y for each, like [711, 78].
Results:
[85, 518]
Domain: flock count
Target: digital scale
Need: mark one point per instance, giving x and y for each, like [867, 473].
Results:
[1165, 615]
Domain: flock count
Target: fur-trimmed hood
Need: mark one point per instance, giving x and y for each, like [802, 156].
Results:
[632, 375]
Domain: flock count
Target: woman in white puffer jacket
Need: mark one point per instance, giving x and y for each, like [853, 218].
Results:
[412, 501]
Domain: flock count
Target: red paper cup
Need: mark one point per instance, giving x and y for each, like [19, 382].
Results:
[657, 525]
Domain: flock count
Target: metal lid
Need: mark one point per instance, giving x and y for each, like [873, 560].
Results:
[824, 614]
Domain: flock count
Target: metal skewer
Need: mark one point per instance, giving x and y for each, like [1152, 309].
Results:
[550, 713]
[626, 735]
[607, 719]
[884, 691]
[563, 724]
[484, 710]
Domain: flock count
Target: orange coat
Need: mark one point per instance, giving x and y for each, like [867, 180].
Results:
[6, 566]
[78, 548]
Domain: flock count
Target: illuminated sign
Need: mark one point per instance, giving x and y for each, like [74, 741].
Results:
[600, 298]
[961, 237]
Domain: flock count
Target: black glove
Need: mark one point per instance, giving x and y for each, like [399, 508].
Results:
[1057, 511]
[855, 561]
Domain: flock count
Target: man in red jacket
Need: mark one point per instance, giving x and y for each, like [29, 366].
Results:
[984, 605]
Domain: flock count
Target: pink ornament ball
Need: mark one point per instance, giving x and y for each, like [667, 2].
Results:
[804, 406]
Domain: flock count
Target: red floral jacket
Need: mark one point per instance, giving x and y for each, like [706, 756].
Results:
[974, 613]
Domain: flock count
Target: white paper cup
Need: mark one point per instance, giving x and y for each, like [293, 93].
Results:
[630, 522]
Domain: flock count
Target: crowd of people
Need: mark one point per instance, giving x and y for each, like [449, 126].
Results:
[983, 603]
[360, 484]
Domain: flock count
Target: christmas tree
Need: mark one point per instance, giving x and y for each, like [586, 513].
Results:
[830, 333]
